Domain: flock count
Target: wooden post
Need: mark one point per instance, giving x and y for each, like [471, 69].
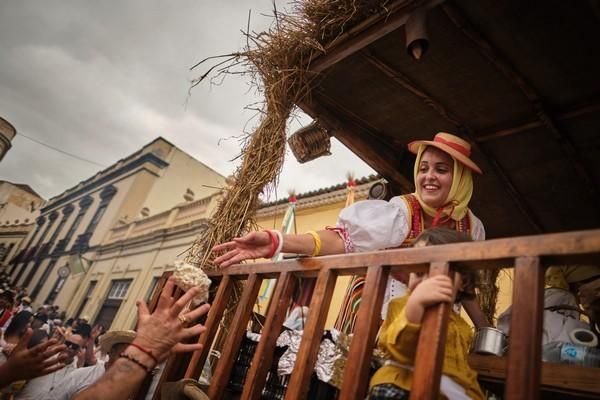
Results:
[263, 357]
[215, 314]
[234, 337]
[524, 354]
[430, 349]
[369, 314]
[311, 338]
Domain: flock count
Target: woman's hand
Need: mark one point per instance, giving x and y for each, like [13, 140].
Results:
[24, 363]
[430, 291]
[251, 246]
[163, 331]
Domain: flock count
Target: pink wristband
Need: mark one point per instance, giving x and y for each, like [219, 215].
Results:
[274, 243]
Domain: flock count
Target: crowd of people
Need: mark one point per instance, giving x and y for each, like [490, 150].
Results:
[42, 358]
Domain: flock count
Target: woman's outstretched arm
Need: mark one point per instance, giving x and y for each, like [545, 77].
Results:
[260, 245]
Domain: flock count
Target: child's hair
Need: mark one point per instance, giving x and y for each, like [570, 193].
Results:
[434, 236]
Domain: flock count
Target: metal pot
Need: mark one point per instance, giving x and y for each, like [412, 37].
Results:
[490, 341]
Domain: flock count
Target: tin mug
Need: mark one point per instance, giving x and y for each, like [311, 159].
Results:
[490, 341]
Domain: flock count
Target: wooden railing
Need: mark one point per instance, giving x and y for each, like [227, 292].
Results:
[528, 255]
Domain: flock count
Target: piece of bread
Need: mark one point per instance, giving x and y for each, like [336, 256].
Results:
[187, 276]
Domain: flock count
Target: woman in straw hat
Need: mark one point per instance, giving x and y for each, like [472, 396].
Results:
[444, 185]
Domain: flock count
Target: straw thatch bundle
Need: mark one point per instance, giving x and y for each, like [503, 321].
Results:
[487, 292]
[277, 61]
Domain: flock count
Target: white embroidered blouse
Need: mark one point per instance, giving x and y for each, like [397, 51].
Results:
[378, 224]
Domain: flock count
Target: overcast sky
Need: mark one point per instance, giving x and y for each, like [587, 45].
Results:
[102, 78]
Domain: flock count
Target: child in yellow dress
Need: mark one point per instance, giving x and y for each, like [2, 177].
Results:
[400, 331]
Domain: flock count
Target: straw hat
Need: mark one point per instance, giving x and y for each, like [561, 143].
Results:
[26, 299]
[183, 389]
[109, 339]
[456, 147]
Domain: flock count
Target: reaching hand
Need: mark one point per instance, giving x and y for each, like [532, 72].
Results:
[251, 246]
[24, 363]
[163, 330]
[96, 331]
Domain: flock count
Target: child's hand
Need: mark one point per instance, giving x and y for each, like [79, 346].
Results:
[430, 291]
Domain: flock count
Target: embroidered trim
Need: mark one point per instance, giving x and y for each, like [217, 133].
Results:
[416, 222]
[343, 232]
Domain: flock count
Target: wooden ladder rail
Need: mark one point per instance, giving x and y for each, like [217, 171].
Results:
[215, 314]
[299, 383]
[356, 374]
[525, 347]
[524, 354]
[430, 347]
[234, 337]
[263, 357]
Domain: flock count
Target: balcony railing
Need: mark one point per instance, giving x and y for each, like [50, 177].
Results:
[61, 246]
[82, 243]
[527, 255]
[43, 251]
[30, 253]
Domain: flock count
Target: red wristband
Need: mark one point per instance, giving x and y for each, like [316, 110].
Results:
[146, 351]
[274, 243]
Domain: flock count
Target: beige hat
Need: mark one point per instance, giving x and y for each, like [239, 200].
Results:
[182, 390]
[26, 299]
[109, 339]
[456, 147]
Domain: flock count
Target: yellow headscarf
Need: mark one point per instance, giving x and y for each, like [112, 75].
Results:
[457, 202]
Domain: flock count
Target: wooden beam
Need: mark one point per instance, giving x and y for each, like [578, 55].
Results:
[404, 81]
[515, 129]
[215, 314]
[367, 32]
[487, 49]
[311, 338]
[361, 140]
[525, 351]
[356, 374]
[263, 357]
[430, 348]
[236, 332]
[555, 377]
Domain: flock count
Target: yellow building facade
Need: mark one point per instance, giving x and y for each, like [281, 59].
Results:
[73, 225]
[19, 207]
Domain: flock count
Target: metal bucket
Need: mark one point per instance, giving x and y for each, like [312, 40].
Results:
[490, 341]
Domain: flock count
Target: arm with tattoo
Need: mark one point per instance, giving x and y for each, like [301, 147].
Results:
[158, 334]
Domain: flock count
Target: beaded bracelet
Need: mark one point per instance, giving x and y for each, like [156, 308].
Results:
[146, 351]
[136, 361]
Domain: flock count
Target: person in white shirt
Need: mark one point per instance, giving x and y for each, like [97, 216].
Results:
[112, 343]
[42, 387]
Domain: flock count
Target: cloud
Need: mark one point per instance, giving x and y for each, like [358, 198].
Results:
[101, 79]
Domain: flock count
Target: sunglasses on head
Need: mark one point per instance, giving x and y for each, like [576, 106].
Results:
[71, 345]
